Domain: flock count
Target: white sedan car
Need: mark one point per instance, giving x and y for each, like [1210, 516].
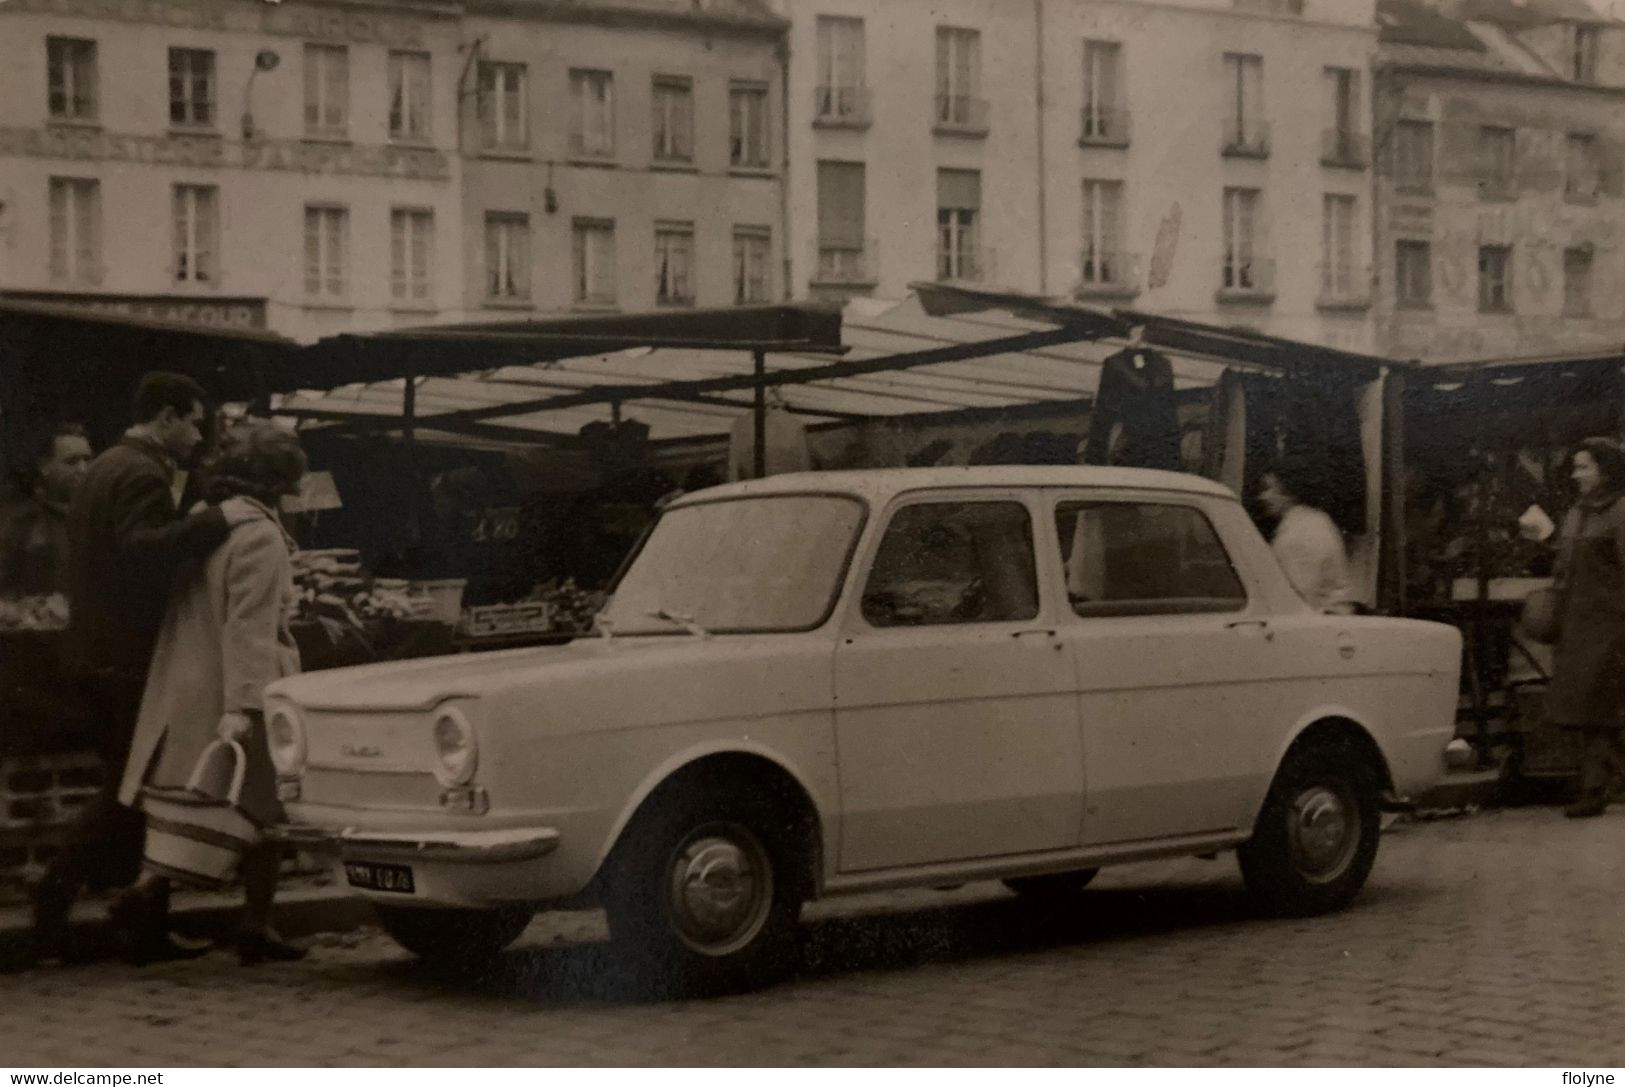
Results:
[827, 683]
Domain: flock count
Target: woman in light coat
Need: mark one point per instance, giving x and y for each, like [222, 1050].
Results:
[1588, 668]
[224, 638]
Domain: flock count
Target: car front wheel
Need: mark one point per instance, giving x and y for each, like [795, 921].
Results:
[1316, 838]
[453, 937]
[705, 895]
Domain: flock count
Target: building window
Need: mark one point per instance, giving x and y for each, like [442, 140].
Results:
[752, 258]
[1495, 279]
[408, 96]
[1245, 132]
[327, 90]
[502, 107]
[71, 78]
[1583, 54]
[411, 255]
[843, 248]
[1413, 156]
[191, 87]
[197, 233]
[1497, 148]
[507, 256]
[673, 119]
[747, 126]
[1577, 282]
[1103, 265]
[959, 213]
[959, 77]
[1413, 274]
[1343, 145]
[593, 244]
[76, 230]
[1338, 277]
[841, 93]
[1104, 119]
[674, 264]
[327, 252]
[592, 116]
[1242, 269]
[1582, 173]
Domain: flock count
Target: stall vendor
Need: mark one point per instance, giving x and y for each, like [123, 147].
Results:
[1306, 542]
[33, 530]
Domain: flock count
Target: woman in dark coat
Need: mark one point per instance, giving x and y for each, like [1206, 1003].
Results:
[1588, 676]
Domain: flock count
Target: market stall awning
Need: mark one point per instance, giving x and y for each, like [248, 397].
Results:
[74, 349]
[463, 348]
[943, 350]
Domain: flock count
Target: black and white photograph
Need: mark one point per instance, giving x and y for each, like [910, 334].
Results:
[728, 534]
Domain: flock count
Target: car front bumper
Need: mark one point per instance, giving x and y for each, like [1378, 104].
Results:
[437, 846]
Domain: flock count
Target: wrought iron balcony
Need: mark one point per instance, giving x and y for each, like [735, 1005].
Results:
[1104, 127]
[1345, 149]
[960, 115]
[841, 106]
[1246, 137]
[1105, 273]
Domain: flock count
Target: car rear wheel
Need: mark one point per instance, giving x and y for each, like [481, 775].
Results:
[1316, 838]
[453, 937]
[705, 894]
[1052, 884]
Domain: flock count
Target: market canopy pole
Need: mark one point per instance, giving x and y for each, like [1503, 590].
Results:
[759, 409]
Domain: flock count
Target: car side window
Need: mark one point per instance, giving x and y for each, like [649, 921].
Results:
[953, 562]
[1144, 558]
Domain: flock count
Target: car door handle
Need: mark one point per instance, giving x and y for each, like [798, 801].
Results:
[1047, 631]
[1261, 626]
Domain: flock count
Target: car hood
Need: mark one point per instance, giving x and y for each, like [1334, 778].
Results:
[425, 682]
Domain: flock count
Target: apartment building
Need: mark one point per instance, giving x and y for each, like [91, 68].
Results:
[1207, 158]
[1501, 192]
[290, 166]
[623, 155]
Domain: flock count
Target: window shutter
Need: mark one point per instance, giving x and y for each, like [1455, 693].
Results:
[959, 189]
[841, 204]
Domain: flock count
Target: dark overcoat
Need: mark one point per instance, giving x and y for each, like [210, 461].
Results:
[1588, 669]
[125, 543]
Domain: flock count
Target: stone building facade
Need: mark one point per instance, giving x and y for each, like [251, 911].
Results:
[290, 166]
[1501, 192]
[1207, 158]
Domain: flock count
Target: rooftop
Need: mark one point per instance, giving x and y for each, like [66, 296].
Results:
[880, 484]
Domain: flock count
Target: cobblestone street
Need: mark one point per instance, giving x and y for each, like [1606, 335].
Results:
[1494, 939]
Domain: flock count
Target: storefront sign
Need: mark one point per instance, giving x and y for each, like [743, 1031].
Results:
[368, 160]
[204, 312]
[292, 20]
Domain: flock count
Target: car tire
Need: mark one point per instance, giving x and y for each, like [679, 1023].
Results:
[453, 937]
[1051, 884]
[1316, 838]
[704, 895]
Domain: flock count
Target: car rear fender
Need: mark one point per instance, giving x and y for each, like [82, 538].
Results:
[1337, 726]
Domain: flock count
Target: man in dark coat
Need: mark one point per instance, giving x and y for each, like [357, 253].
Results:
[34, 531]
[125, 546]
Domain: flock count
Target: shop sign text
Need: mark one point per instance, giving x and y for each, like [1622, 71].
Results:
[368, 160]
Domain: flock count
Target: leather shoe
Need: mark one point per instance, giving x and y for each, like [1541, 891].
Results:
[258, 947]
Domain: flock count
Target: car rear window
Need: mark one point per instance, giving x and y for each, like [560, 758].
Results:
[1144, 558]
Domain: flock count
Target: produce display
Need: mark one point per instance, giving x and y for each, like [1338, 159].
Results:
[47, 612]
[572, 606]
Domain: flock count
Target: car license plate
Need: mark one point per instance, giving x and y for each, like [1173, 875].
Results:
[379, 877]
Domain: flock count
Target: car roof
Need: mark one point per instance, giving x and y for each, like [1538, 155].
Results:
[879, 484]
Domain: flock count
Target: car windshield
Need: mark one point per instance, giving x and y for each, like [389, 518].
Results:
[769, 563]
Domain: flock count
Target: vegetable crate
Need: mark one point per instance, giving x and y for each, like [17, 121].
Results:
[39, 797]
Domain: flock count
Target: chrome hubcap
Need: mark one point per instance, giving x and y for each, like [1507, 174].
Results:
[719, 888]
[1323, 829]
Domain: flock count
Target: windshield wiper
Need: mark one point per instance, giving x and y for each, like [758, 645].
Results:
[685, 621]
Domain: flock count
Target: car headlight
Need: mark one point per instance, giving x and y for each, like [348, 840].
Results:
[286, 736]
[456, 746]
